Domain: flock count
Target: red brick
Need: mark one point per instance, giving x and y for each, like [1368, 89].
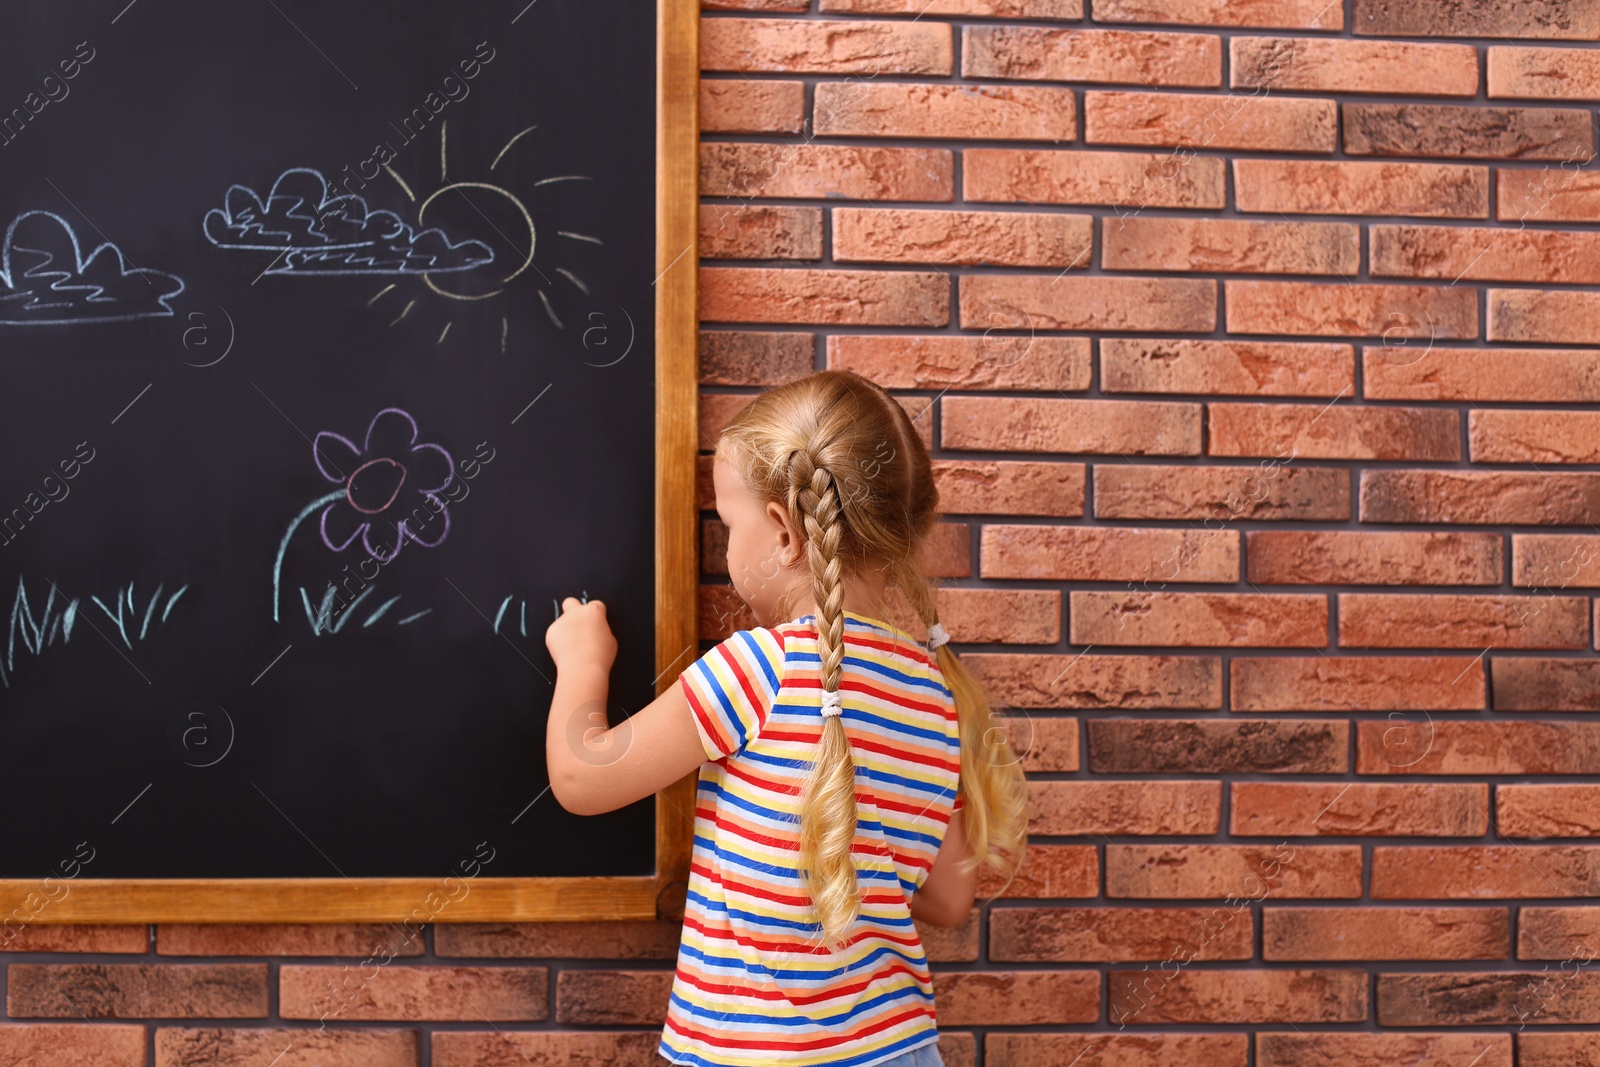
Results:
[1000, 616]
[1003, 238]
[1220, 872]
[288, 939]
[1573, 195]
[1139, 1049]
[1324, 431]
[1461, 998]
[1218, 746]
[1220, 494]
[1467, 374]
[1354, 1049]
[793, 6]
[825, 46]
[957, 944]
[1525, 683]
[72, 1045]
[636, 939]
[1552, 315]
[980, 487]
[1548, 811]
[1555, 561]
[826, 171]
[1530, 73]
[1109, 554]
[1368, 933]
[1327, 187]
[1099, 302]
[1188, 619]
[1358, 809]
[1330, 64]
[1046, 176]
[1557, 933]
[1550, 19]
[42, 937]
[1364, 557]
[744, 105]
[1253, 996]
[1480, 497]
[748, 231]
[1088, 681]
[1133, 57]
[1145, 806]
[1236, 245]
[1002, 9]
[721, 614]
[1260, 368]
[1264, 14]
[1003, 998]
[1118, 935]
[1452, 131]
[1484, 253]
[612, 998]
[1390, 311]
[716, 410]
[1048, 872]
[948, 551]
[1357, 683]
[1556, 1050]
[994, 361]
[1042, 742]
[1430, 746]
[1431, 620]
[1468, 872]
[826, 297]
[900, 109]
[229, 1047]
[1507, 436]
[136, 990]
[740, 357]
[1027, 424]
[444, 994]
[513, 1048]
[1203, 120]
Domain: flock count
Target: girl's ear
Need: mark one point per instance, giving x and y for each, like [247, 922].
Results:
[790, 541]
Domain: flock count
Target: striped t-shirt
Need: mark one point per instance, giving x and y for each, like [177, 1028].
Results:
[754, 987]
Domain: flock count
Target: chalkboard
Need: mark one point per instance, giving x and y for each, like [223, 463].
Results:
[334, 344]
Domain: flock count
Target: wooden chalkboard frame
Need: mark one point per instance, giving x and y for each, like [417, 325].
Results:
[343, 900]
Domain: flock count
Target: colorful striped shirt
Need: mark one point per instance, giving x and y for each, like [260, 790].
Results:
[754, 986]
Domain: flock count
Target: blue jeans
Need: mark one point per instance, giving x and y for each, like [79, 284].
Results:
[926, 1056]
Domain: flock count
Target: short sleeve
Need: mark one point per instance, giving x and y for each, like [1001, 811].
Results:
[731, 689]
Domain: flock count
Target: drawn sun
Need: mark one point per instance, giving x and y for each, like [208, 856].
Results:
[501, 219]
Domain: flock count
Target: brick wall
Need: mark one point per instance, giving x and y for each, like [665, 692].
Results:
[1247, 339]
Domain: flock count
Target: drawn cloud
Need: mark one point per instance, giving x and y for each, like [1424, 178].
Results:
[45, 279]
[315, 233]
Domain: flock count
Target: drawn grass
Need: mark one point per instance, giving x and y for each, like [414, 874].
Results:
[58, 616]
[327, 618]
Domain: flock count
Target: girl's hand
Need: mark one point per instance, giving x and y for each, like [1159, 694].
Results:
[581, 638]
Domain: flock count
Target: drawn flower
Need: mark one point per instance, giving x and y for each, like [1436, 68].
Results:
[391, 487]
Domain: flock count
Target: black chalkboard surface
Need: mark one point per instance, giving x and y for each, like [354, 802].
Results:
[326, 362]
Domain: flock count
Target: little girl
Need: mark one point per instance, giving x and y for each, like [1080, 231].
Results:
[833, 750]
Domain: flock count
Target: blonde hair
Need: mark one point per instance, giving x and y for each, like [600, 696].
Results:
[841, 455]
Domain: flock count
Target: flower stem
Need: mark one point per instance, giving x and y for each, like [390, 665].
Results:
[283, 547]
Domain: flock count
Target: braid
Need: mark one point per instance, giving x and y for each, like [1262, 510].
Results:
[828, 811]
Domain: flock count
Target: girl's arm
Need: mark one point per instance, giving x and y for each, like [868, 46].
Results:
[948, 892]
[595, 769]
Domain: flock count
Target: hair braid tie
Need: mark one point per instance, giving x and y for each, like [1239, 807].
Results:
[937, 637]
[830, 703]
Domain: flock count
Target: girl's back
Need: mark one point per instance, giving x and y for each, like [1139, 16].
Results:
[755, 983]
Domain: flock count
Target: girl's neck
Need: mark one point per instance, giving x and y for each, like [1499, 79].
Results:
[864, 594]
